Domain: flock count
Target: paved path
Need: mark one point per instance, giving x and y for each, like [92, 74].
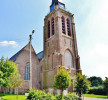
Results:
[87, 98]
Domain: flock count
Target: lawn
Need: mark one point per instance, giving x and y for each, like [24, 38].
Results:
[12, 97]
[95, 96]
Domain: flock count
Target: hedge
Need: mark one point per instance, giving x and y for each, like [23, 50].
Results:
[41, 95]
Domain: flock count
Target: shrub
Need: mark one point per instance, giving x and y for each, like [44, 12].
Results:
[71, 96]
[58, 97]
[97, 90]
[39, 95]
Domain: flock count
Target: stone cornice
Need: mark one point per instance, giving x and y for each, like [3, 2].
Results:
[59, 9]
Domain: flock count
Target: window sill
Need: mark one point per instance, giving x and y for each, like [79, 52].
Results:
[50, 37]
[67, 36]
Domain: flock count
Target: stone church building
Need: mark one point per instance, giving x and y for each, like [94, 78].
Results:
[60, 49]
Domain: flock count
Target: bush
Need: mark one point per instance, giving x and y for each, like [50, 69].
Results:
[71, 96]
[58, 97]
[39, 95]
[97, 90]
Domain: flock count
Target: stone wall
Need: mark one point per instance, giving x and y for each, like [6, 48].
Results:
[21, 61]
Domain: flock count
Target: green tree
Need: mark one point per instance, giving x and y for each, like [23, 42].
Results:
[15, 82]
[7, 67]
[105, 82]
[81, 84]
[95, 81]
[62, 80]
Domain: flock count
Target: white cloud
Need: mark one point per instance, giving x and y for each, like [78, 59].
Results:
[9, 43]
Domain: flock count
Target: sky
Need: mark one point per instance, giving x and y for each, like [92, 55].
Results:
[19, 17]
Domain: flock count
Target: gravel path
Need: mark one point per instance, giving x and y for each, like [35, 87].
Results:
[87, 98]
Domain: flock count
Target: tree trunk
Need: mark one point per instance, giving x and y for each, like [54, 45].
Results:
[61, 94]
[3, 91]
[17, 93]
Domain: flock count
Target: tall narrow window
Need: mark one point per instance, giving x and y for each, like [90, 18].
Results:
[48, 29]
[63, 25]
[52, 26]
[27, 72]
[68, 59]
[68, 27]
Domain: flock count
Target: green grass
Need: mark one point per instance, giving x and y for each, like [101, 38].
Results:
[95, 96]
[12, 97]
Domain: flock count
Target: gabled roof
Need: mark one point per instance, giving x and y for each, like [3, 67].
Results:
[40, 55]
[14, 57]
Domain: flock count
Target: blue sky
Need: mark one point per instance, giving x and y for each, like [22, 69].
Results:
[19, 17]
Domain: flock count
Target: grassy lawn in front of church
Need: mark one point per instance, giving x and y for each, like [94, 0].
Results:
[95, 96]
[11, 97]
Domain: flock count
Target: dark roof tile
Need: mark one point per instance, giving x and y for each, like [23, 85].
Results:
[40, 55]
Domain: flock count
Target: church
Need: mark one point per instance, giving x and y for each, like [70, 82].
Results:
[59, 49]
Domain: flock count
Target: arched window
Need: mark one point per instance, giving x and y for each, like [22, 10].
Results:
[68, 59]
[48, 29]
[68, 27]
[27, 72]
[52, 26]
[63, 24]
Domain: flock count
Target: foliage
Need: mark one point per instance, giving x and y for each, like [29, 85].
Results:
[95, 81]
[58, 97]
[105, 82]
[15, 81]
[95, 96]
[100, 89]
[81, 85]
[62, 80]
[39, 95]
[97, 90]
[71, 96]
[7, 68]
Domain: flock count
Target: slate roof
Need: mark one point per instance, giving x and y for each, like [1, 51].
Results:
[14, 57]
[40, 55]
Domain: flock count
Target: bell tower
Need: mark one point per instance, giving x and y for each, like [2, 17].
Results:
[60, 44]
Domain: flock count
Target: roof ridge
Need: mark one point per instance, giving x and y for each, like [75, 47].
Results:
[13, 58]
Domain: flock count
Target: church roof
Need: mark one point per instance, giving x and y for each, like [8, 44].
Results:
[40, 55]
[14, 57]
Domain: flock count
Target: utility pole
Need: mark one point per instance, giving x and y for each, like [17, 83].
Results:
[30, 81]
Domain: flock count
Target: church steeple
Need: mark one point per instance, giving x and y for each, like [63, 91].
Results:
[56, 3]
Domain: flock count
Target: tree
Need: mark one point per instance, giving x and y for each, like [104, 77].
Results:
[62, 80]
[105, 82]
[15, 81]
[81, 84]
[7, 67]
[95, 81]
